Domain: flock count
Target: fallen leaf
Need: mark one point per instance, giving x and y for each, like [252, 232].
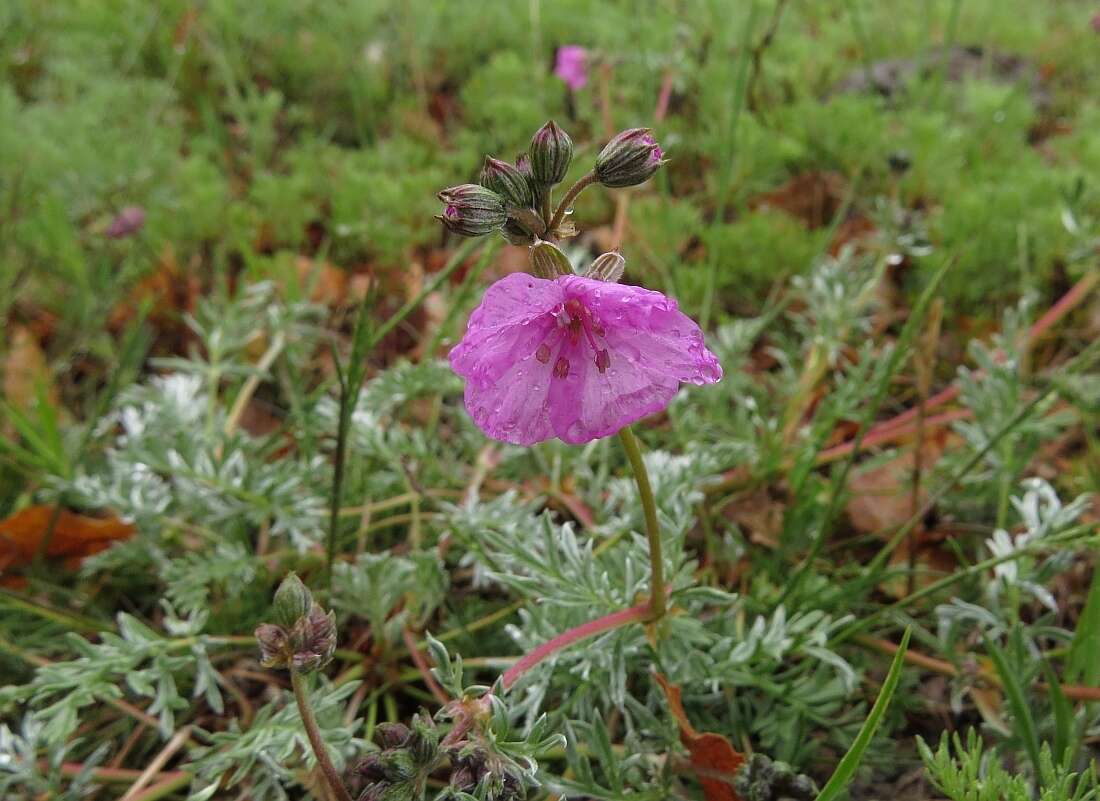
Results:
[172, 293]
[711, 754]
[812, 197]
[759, 514]
[330, 285]
[25, 370]
[74, 535]
[881, 496]
[852, 230]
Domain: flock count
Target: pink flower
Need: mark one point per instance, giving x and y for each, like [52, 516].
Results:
[575, 358]
[570, 65]
[127, 223]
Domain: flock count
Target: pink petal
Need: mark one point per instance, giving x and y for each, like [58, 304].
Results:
[514, 407]
[648, 330]
[531, 374]
[511, 321]
[588, 404]
[571, 66]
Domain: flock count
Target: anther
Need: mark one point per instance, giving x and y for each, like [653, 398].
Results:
[561, 367]
[543, 353]
[603, 360]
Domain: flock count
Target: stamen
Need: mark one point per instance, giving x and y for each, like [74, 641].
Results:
[543, 353]
[603, 360]
[561, 367]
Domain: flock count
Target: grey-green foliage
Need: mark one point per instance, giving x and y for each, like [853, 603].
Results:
[779, 663]
[966, 771]
[374, 585]
[138, 661]
[270, 750]
[1041, 514]
[995, 392]
[22, 772]
[169, 450]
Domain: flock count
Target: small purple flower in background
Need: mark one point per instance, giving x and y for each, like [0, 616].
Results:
[571, 65]
[1095, 22]
[127, 223]
[575, 358]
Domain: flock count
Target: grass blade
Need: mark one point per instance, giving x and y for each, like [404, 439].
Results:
[1064, 738]
[846, 768]
[1014, 694]
[1081, 663]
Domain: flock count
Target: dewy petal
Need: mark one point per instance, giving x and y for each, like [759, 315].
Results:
[575, 358]
[514, 407]
[512, 320]
[588, 404]
[647, 330]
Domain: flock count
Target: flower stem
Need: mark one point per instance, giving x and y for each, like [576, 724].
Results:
[652, 528]
[567, 201]
[314, 734]
[545, 207]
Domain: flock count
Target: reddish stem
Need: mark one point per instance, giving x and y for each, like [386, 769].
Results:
[425, 669]
[1052, 315]
[564, 640]
[663, 97]
[877, 436]
[899, 426]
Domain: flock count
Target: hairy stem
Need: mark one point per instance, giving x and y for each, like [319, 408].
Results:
[530, 220]
[585, 180]
[544, 203]
[314, 734]
[652, 528]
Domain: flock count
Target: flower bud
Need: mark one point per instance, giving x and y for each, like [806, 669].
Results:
[292, 601]
[551, 151]
[391, 735]
[423, 744]
[313, 640]
[472, 210]
[523, 164]
[517, 234]
[274, 646]
[549, 262]
[371, 768]
[127, 223]
[607, 267]
[508, 182]
[630, 158]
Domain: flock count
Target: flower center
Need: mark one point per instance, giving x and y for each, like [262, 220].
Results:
[575, 324]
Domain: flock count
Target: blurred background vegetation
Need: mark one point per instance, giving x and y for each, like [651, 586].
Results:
[253, 132]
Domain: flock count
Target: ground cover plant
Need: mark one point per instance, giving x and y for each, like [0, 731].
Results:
[654, 400]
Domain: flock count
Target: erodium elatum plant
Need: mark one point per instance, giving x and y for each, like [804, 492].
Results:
[555, 354]
[549, 353]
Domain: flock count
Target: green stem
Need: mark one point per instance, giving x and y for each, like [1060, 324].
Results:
[314, 734]
[652, 528]
[545, 201]
[585, 180]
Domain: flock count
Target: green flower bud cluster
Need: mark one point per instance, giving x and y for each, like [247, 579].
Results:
[515, 198]
[400, 769]
[303, 637]
[408, 755]
[761, 779]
